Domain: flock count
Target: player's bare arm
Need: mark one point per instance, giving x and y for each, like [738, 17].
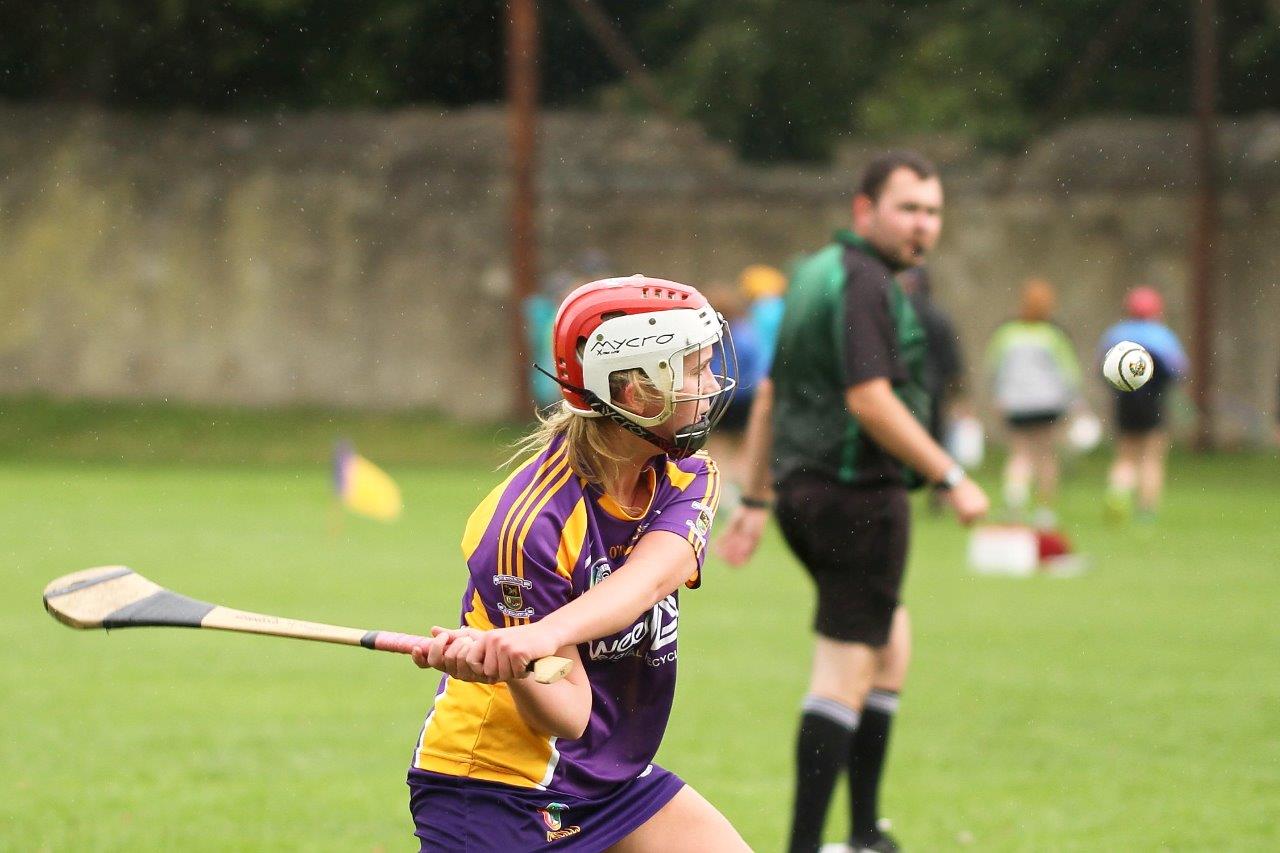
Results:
[661, 562]
[895, 429]
[563, 712]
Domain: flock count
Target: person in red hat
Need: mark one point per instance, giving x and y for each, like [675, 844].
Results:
[582, 553]
[1142, 443]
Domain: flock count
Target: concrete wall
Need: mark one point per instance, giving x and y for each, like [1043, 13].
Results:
[360, 258]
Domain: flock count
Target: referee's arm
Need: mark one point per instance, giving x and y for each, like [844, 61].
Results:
[890, 423]
[757, 444]
[738, 542]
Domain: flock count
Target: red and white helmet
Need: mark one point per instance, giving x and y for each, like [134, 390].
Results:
[649, 324]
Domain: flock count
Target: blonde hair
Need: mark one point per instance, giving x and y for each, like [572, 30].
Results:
[596, 446]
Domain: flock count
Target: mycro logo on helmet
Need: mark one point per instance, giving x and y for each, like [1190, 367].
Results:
[604, 346]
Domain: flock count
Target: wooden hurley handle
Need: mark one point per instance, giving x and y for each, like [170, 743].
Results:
[546, 670]
[118, 597]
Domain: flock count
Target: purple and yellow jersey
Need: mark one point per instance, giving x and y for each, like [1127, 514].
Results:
[539, 540]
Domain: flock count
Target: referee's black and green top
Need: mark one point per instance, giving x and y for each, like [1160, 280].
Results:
[846, 322]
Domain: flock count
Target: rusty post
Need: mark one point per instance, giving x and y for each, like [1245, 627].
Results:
[1204, 238]
[522, 105]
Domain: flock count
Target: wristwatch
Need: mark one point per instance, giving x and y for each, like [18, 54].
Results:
[952, 478]
[755, 503]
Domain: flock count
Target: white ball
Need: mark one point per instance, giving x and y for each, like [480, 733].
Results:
[1127, 366]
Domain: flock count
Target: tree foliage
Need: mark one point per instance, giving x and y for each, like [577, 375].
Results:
[778, 79]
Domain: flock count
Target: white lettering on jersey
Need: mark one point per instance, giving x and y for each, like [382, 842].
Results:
[659, 627]
[664, 633]
[599, 569]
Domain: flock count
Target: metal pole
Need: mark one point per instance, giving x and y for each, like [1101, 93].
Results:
[522, 101]
[1206, 220]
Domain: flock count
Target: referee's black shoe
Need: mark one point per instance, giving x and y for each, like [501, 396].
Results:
[881, 842]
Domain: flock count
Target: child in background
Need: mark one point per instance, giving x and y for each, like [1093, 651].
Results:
[753, 311]
[764, 286]
[752, 360]
[1037, 379]
[1142, 444]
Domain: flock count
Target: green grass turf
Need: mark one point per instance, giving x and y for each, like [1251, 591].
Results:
[42, 429]
[1135, 707]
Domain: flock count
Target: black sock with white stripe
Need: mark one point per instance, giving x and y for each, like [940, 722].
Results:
[866, 762]
[822, 748]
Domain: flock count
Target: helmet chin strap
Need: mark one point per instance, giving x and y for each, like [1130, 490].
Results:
[688, 440]
[694, 436]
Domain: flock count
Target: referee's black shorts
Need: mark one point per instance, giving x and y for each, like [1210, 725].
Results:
[853, 541]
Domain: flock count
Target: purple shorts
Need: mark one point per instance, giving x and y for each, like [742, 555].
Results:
[451, 813]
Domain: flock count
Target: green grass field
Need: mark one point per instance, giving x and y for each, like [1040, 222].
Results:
[1136, 707]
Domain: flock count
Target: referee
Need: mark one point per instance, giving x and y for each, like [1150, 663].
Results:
[841, 418]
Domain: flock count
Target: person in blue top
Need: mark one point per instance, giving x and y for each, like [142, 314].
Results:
[749, 350]
[765, 287]
[539, 315]
[1142, 443]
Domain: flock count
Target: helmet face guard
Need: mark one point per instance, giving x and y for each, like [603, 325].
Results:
[651, 326]
[723, 362]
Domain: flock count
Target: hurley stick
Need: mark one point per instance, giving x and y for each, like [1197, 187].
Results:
[118, 597]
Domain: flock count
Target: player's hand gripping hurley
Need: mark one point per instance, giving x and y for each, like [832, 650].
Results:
[118, 597]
